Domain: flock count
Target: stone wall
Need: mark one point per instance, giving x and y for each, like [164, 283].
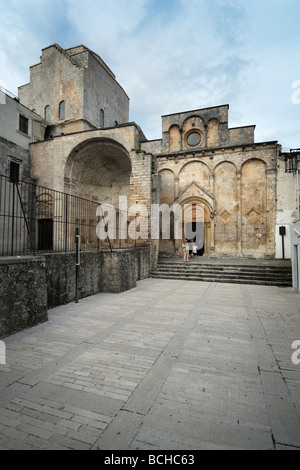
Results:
[238, 185]
[287, 207]
[122, 268]
[102, 91]
[23, 293]
[99, 272]
[211, 126]
[83, 81]
[56, 78]
[10, 151]
[61, 277]
[31, 285]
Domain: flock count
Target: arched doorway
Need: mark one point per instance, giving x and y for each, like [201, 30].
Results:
[197, 226]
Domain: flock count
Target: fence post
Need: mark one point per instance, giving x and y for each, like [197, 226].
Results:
[13, 222]
[66, 223]
[77, 261]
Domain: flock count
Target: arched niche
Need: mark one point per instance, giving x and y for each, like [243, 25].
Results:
[253, 208]
[226, 222]
[213, 133]
[194, 171]
[167, 186]
[99, 170]
[174, 138]
[193, 133]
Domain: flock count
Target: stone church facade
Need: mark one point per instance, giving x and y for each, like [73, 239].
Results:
[91, 150]
[200, 160]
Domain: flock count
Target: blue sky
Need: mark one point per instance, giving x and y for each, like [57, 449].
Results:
[174, 55]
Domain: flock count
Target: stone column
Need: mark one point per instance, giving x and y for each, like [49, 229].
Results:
[176, 186]
[239, 212]
[271, 174]
[205, 135]
[211, 183]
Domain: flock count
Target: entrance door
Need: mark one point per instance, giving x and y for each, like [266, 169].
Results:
[197, 225]
[45, 234]
[196, 237]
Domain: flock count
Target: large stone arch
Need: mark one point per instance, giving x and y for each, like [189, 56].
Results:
[98, 169]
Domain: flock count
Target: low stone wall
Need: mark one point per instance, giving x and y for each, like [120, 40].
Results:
[99, 272]
[61, 277]
[29, 286]
[122, 268]
[23, 293]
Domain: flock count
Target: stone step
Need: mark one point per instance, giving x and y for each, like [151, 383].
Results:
[280, 275]
[230, 279]
[222, 269]
[224, 275]
[224, 272]
[190, 265]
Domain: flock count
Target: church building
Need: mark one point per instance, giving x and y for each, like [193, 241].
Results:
[91, 150]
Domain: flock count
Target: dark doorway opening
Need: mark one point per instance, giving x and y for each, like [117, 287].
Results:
[195, 237]
[45, 234]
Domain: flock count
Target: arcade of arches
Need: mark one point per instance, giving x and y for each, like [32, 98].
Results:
[234, 195]
[221, 169]
[241, 184]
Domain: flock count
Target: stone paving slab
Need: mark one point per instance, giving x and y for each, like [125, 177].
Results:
[170, 364]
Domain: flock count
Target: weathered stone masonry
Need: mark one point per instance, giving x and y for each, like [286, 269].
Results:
[202, 161]
[29, 286]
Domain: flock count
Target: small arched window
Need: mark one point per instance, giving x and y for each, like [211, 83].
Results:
[101, 118]
[62, 110]
[47, 113]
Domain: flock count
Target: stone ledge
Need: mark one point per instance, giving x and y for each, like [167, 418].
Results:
[8, 260]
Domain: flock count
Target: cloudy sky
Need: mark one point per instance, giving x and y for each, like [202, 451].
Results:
[174, 55]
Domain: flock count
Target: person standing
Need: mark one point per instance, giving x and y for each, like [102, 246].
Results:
[195, 249]
[186, 251]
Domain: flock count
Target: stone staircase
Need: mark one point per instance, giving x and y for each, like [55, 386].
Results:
[239, 271]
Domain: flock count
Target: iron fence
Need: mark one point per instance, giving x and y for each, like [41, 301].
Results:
[35, 219]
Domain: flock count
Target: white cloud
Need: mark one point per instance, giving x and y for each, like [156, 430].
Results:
[172, 55]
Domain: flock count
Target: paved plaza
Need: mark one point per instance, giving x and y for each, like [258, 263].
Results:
[169, 365]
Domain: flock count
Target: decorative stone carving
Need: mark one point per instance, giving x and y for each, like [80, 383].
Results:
[225, 215]
[253, 215]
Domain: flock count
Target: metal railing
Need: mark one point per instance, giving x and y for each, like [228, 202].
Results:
[291, 160]
[35, 219]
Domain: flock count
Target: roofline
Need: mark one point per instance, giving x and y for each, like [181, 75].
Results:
[69, 56]
[216, 149]
[242, 127]
[125, 124]
[97, 57]
[17, 100]
[196, 110]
